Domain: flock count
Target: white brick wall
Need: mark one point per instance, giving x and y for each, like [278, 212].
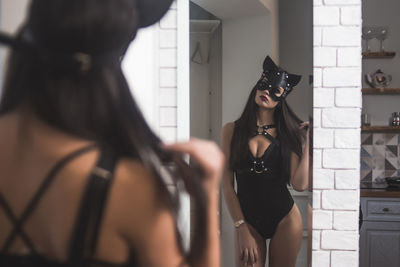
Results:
[337, 110]
[168, 44]
[326, 179]
[340, 36]
[344, 259]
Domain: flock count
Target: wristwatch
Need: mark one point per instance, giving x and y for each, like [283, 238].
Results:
[238, 223]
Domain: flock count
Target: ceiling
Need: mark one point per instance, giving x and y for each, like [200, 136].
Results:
[230, 9]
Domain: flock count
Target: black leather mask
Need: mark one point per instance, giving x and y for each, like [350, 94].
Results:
[273, 78]
[150, 11]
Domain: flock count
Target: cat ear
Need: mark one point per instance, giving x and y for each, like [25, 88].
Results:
[269, 64]
[293, 79]
[151, 11]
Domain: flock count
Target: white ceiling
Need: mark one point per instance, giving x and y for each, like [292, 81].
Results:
[230, 9]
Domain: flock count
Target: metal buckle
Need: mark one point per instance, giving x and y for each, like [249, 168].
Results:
[101, 172]
[258, 167]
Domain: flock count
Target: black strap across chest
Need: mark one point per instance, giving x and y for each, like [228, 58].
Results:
[264, 132]
[85, 235]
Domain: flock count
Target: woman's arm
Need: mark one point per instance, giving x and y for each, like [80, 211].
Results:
[300, 168]
[231, 199]
[146, 220]
[247, 244]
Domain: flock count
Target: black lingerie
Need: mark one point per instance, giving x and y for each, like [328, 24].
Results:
[262, 192]
[84, 238]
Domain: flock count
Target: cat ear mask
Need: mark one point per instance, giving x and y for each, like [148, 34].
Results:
[273, 78]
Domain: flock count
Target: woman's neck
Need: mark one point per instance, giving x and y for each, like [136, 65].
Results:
[265, 117]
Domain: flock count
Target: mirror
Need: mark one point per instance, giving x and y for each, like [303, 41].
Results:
[229, 41]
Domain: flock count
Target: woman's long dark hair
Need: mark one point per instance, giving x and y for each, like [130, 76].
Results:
[288, 133]
[95, 103]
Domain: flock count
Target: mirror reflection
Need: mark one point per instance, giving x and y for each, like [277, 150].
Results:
[251, 92]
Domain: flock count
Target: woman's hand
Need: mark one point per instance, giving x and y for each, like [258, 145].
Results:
[207, 155]
[247, 246]
[305, 125]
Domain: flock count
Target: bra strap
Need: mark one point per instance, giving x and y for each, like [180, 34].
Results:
[89, 218]
[18, 222]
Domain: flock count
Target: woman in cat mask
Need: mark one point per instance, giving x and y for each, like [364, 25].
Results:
[267, 148]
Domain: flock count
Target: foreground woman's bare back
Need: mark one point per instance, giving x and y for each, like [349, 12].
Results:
[134, 218]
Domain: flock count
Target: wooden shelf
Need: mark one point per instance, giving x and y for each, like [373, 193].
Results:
[378, 54]
[379, 193]
[381, 129]
[381, 91]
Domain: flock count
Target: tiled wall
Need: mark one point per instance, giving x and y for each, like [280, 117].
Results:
[337, 111]
[380, 155]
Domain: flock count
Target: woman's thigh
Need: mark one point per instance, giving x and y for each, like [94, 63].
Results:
[286, 242]
[262, 250]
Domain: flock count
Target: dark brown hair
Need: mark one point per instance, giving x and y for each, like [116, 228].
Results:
[95, 104]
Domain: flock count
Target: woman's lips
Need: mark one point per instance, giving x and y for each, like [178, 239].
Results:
[264, 98]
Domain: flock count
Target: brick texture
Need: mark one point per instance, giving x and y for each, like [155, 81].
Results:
[337, 111]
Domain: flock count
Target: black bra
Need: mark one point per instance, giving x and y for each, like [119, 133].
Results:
[85, 234]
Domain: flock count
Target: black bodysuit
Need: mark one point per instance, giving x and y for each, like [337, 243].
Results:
[262, 192]
[85, 236]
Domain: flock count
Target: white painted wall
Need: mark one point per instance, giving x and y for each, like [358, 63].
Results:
[246, 42]
[12, 14]
[382, 13]
[296, 52]
[200, 82]
[295, 23]
[140, 67]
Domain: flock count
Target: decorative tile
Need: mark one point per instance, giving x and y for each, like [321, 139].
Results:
[366, 138]
[378, 151]
[391, 151]
[398, 163]
[366, 176]
[390, 173]
[366, 164]
[366, 151]
[381, 154]
[378, 139]
[378, 163]
[391, 139]
[377, 174]
[394, 162]
[390, 166]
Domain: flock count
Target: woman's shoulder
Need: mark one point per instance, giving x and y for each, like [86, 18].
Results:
[134, 180]
[137, 194]
[226, 135]
[228, 128]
